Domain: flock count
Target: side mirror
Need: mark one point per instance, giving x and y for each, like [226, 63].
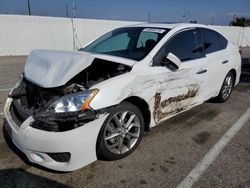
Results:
[171, 61]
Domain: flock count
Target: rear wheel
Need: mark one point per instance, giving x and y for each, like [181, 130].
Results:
[121, 132]
[226, 88]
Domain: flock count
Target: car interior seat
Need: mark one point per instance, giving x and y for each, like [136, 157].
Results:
[149, 45]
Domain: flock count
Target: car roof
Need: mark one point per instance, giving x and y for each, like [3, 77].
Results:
[169, 26]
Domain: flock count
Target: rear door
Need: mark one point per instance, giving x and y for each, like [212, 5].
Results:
[180, 90]
[214, 47]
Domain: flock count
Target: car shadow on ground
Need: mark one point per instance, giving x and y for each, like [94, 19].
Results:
[20, 178]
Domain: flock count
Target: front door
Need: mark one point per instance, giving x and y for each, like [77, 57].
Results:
[184, 88]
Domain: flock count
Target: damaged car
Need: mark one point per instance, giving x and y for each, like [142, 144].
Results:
[71, 108]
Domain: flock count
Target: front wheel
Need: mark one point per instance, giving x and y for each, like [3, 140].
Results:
[121, 132]
[226, 88]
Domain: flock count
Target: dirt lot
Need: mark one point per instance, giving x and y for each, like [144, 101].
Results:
[164, 158]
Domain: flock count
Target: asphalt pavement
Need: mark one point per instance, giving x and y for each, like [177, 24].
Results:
[165, 157]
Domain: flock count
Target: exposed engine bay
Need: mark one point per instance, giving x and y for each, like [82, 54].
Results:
[34, 97]
[30, 99]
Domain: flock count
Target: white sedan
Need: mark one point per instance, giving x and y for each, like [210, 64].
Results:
[72, 108]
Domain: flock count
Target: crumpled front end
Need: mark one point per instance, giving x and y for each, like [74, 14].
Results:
[53, 68]
[48, 113]
[63, 150]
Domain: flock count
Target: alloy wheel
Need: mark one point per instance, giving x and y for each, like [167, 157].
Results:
[122, 132]
[227, 86]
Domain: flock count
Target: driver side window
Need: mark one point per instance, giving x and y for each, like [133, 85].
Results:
[186, 45]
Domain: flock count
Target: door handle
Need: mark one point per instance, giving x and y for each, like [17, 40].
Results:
[224, 62]
[202, 71]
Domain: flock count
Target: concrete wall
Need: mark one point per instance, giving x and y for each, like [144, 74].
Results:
[246, 37]
[20, 34]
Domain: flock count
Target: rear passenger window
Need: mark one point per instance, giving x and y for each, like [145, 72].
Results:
[211, 41]
[223, 42]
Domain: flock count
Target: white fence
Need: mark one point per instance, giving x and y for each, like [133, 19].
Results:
[20, 34]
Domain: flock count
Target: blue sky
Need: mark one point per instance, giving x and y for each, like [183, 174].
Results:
[222, 11]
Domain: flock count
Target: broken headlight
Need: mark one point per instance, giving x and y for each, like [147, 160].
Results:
[74, 102]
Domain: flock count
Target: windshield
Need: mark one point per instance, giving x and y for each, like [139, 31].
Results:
[131, 42]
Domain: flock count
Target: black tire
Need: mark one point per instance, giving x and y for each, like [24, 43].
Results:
[108, 147]
[222, 97]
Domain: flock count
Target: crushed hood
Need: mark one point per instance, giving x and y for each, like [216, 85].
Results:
[50, 68]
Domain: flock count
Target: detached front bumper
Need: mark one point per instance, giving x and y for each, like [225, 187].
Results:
[48, 148]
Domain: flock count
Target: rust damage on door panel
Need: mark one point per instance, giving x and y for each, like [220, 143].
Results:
[176, 103]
